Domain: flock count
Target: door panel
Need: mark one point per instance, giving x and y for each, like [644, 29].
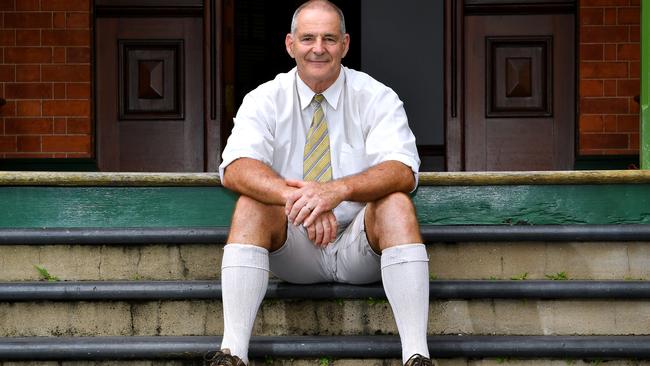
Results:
[150, 94]
[519, 92]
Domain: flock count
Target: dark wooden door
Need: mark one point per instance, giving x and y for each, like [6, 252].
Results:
[519, 92]
[149, 94]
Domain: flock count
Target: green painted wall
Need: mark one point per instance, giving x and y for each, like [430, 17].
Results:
[51, 207]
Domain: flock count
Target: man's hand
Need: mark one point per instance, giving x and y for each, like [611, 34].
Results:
[323, 230]
[310, 200]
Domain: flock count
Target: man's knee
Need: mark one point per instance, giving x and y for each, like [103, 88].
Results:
[397, 203]
[391, 220]
[246, 204]
[257, 223]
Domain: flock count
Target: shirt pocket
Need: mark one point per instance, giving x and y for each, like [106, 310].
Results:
[287, 161]
[353, 160]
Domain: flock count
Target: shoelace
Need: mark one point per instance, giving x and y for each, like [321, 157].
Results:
[418, 360]
[220, 358]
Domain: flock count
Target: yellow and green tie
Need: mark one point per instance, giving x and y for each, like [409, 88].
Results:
[317, 164]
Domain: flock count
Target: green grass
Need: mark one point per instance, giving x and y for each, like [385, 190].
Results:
[560, 276]
[373, 301]
[324, 361]
[630, 278]
[521, 277]
[45, 275]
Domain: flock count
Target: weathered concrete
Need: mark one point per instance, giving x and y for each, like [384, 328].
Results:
[598, 261]
[111, 262]
[603, 261]
[348, 362]
[104, 363]
[515, 362]
[64, 319]
[296, 317]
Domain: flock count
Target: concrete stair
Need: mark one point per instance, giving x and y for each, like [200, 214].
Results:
[497, 361]
[139, 266]
[178, 318]
[459, 260]
[105, 313]
[170, 293]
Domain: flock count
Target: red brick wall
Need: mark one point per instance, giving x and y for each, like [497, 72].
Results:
[45, 78]
[609, 77]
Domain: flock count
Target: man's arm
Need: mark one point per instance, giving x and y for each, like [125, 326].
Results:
[312, 198]
[252, 178]
[257, 180]
[378, 181]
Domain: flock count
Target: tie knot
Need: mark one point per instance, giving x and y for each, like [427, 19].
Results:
[319, 98]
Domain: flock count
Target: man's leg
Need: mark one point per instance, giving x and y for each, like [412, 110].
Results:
[393, 230]
[256, 229]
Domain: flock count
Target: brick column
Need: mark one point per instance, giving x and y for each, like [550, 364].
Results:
[45, 78]
[609, 77]
[645, 87]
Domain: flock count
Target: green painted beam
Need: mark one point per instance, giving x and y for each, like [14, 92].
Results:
[159, 200]
[134, 207]
[645, 85]
[534, 204]
[48, 207]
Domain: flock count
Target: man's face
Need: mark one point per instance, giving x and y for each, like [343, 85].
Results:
[318, 47]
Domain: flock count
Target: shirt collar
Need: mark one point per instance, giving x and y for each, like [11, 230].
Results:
[331, 94]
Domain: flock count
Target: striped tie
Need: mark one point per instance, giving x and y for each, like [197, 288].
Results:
[316, 159]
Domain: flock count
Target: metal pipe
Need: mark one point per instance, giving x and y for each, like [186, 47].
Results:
[430, 233]
[446, 346]
[211, 290]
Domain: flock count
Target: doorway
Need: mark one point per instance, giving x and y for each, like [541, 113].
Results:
[149, 88]
[510, 89]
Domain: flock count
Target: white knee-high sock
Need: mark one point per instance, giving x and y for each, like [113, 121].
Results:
[405, 273]
[244, 279]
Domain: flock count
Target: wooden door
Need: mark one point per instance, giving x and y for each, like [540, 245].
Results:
[519, 94]
[149, 94]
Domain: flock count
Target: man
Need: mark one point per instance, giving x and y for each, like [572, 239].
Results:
[323, 159]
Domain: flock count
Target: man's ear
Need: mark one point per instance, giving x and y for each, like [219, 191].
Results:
[346, 43]
[288, 43]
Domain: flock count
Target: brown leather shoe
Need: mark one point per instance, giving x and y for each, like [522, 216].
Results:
[222, 358]
[418, 360]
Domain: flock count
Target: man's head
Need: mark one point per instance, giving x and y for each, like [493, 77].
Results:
[318, 42]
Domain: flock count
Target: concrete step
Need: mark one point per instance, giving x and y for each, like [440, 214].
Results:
[497, 361]
[333, 317]
[500, 361]
[194, 308]
[451, 350]
[261, 362]
[464, 260]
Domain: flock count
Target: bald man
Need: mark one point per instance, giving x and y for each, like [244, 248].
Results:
[323, 160]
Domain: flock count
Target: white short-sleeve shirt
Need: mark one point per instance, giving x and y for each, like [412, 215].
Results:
[366, 121]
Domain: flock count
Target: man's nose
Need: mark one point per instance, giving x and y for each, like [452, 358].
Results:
[318, 46]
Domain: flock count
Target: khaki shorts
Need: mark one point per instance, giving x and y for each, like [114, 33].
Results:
[349, 259]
